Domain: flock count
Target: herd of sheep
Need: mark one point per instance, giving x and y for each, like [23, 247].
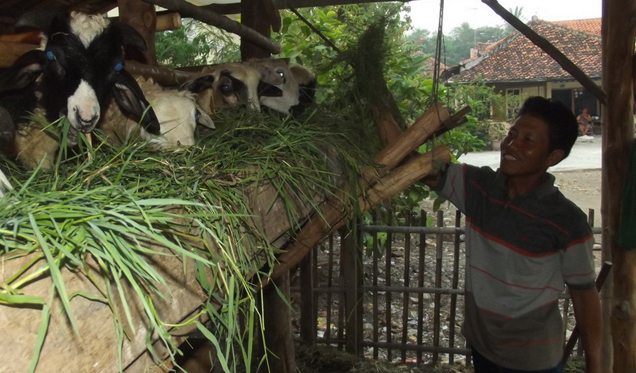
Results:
[78, 73]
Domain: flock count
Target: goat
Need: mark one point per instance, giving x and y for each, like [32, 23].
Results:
[284, 88]
[78, 67]
[226, 85]
[176, 112]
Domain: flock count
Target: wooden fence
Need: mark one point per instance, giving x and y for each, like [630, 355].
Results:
[398, 299]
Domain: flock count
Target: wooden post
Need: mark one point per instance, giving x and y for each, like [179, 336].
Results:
[199, 13]
[618, 134]
[254, 16]
[143, 18]
[278, 333]
[307, 307]
[351, 267]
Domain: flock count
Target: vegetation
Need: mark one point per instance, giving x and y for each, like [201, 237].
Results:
[195, 44]
[114, 205]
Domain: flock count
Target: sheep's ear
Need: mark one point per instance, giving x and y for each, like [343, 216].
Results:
[132, 101]
[48, 19]
[204, 119]
[269, 75]
[198, 85]
[24, 71]
[130, 37]
[268, 90]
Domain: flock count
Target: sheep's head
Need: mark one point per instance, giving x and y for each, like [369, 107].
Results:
[226, 85]
[80, 64]
[284, 88]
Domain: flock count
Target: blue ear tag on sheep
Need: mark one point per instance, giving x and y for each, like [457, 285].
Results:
[119, 66]
[50, 55]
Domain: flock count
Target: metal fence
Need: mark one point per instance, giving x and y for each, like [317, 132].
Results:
[399, 298]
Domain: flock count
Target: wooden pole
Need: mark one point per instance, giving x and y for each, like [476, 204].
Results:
[351, 267]
[550, 49]
[618, 35]
[142, 17]
[334, 215]
[253, 15]
[188, 10]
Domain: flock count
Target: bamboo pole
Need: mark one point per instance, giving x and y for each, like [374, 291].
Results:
[334, 214]
[188, 10]
[618, 35]
[550, 49]
[400, 144]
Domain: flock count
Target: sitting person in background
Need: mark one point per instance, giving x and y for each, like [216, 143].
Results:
[585, 122]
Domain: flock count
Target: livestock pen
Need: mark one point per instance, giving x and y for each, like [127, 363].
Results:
[406, 278]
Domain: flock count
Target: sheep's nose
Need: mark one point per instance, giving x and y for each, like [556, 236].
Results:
[86, 125]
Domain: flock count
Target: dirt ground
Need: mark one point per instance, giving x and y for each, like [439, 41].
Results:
[583, 187]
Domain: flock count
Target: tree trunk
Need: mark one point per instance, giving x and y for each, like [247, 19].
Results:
[618, 135]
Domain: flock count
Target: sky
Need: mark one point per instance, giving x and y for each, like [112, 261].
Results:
[425, 13]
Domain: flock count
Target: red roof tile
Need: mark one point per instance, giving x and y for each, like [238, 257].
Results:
[590, 26]
[516, 59]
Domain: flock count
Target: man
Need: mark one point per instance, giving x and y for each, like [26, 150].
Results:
[524, 242]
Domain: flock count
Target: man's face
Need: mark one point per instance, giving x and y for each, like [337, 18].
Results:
[525, 150]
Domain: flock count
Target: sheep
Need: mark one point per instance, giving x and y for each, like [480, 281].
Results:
[226, 85]
[76, 70]
[176, 112]
[284, 88]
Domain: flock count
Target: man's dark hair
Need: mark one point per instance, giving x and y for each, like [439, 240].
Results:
[562, 125]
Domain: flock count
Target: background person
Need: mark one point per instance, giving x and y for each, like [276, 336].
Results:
[585, 122]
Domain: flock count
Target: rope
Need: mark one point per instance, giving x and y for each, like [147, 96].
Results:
[438, 52]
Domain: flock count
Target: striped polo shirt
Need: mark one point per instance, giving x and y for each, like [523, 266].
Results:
[520, 253]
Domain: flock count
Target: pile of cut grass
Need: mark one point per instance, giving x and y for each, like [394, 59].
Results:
[111, 205]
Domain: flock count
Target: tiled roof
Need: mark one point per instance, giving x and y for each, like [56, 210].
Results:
[515, 58]
[590, 26]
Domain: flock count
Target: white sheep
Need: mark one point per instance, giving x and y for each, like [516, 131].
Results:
[176, 111]
[5, 185]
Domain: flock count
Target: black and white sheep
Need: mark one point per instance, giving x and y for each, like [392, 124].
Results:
[177, 113]
[226, 85]
[78, 67]
[284, 88]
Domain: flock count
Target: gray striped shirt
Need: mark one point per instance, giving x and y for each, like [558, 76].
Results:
[520, 253]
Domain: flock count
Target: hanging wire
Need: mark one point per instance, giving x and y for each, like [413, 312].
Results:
[438, 52]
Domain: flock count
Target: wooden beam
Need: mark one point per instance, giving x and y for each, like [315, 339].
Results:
[253, 15]
[550, 49]
[142, 17]
[618, 35]
[199, 13]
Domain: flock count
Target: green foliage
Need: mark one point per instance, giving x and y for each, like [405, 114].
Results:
[104, 217]
[486, 104]
[458, 43]
[193, 44]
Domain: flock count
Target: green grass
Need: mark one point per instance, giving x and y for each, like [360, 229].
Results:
[111, 205]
